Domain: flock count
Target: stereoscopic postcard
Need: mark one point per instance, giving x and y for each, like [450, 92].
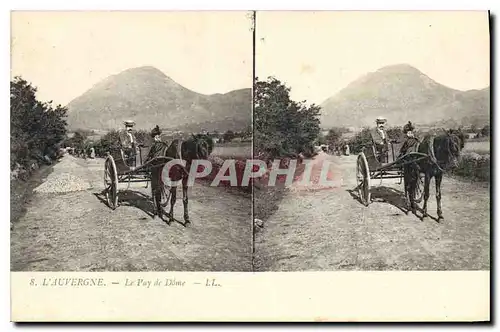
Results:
[273, 166]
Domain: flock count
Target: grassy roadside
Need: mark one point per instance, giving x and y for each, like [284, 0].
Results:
[22, 191]
[267, 198]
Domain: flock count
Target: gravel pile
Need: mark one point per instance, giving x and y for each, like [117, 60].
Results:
[68, 175]
[62, 183]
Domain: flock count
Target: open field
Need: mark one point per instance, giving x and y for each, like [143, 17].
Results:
[479, 147]
[237, 151]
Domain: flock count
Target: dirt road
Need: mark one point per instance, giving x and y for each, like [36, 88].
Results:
[329, 229]
[76, 231]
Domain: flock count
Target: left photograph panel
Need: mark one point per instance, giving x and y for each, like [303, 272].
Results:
[127, 130]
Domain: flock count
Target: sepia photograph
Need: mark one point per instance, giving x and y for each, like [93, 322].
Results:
[162, 158]
[381, 120]
[106, 108]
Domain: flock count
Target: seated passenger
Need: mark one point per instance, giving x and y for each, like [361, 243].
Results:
[128, 143]
[411, 141]
[379, 139]
[157, 146]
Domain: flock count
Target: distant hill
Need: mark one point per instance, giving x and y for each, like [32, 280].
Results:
[151, 98]
[402, 93]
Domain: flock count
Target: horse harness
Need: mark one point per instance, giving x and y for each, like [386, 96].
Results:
[432, 155]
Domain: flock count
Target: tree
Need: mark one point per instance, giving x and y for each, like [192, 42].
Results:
[395, 134]
[78, 140]
[36, 127]
[486, 130]
[143, 137]
[108, 143]
[333, 136]
[229, 136]
[360, 140]
[282, 127]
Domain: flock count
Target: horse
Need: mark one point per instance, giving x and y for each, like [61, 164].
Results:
[443, 153]
[411, 173]
[196, 147]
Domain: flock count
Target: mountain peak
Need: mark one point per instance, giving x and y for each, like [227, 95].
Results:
[399, 81]
[400, 68]
[144, 71]
[402, 92]
[152, 98]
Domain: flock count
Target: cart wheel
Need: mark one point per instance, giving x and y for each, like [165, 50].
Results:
[419, 188]
[363, 179]
[111, 182]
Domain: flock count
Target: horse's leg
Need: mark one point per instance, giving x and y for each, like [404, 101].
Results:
[153, 193]
[173, 198]
[427, 183]
[153, 196]
[414, 179]
[185, 199]
[406, 185]
[438, 179]
[158, 190]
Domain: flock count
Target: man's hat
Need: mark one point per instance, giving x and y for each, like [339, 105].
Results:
[381, 120]
[156, 131]
[129, 123]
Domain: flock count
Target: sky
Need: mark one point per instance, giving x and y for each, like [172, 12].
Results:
[318, 53]
[64, 54]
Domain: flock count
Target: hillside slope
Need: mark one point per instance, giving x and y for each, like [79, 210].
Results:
[149, 97]
[402, 93]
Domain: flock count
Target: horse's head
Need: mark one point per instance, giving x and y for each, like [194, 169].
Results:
[458, 135]
[455, 142]
[204, 145]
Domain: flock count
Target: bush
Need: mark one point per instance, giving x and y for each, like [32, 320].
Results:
[485, 131]
[474, 166]
[228, 136]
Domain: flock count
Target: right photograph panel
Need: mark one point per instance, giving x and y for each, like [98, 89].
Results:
[375, 131]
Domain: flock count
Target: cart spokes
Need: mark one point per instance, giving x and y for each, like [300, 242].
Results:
[111, 182]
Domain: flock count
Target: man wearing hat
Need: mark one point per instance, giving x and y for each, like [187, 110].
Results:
[128, 142]
[379, 138]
